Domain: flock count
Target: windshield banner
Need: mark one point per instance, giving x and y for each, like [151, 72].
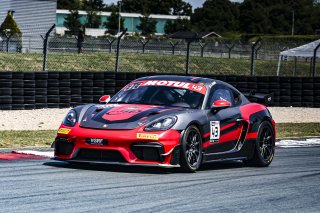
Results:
[176, 84]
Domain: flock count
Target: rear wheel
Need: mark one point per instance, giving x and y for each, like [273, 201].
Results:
[191, 149]
[264, 147]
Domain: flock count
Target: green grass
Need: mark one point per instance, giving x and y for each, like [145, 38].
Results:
[9, 139]
[138, 62]
[297, 130]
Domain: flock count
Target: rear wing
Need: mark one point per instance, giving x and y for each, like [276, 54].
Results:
[262, 98]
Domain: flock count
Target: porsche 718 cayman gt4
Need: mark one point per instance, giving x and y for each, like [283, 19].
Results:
[169, 121]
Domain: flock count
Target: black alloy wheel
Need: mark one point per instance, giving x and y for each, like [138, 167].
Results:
[264, 147]
[191, 153]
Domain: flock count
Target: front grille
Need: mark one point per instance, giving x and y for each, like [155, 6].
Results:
[100, 155]
[149, 151]
[63, 147]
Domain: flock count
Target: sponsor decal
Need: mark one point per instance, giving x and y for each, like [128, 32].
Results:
[96, 141]
[147, 136]
[64, 131]
[132, 86]
[177, 84]
[214, 131]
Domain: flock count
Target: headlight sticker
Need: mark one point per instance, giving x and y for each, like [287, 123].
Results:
[64, 131]
[214, 131]
[147, 136]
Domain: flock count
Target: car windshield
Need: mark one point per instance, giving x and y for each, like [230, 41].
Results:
[159, 95]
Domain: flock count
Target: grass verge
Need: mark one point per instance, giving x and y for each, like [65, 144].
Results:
[138, 62]
[9, 139]
[285, 130]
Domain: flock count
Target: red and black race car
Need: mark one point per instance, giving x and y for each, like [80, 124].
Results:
[169, 121]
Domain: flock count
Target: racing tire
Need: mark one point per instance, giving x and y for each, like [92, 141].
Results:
[17, 83]
[75, 75]
[191, 149]
[64, 83]
[264, 147]
[41, 76]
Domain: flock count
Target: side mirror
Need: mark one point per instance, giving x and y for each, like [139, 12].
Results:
[105, 99]
[220, 104]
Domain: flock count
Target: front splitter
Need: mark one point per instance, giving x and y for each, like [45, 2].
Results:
[118, 163]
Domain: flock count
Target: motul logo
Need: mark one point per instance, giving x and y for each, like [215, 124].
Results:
[177, 84]
[168, 83]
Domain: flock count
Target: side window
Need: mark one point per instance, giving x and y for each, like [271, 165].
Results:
[220, 92]
[236, 97]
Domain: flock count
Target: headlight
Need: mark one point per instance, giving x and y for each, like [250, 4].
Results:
[161, 124]
[70, 119]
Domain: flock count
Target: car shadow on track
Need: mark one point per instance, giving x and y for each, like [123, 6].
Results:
[141, 169]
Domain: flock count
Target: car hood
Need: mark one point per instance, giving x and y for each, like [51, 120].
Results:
[124, 116]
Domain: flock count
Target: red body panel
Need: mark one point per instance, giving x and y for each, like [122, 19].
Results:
[119, 140]
[248, 110]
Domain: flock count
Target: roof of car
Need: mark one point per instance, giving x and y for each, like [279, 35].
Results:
[191, 79]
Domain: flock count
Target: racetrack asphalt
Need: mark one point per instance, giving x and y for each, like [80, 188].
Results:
[290, 184]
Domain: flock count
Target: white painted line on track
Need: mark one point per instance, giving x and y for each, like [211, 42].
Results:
[39, 153]
[292, 143]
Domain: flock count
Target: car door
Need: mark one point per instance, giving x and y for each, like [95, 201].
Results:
[224, 126]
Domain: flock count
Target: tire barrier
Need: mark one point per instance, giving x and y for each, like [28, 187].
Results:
[35, 90]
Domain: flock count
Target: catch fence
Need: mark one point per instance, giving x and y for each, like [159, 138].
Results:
[161, 55]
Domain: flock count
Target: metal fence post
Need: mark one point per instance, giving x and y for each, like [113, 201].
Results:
[8, 40]
[118, 49]
[229, 47]
[144, 43]
[173, 46]
[315, 60]
[253, 50]
[45, 48]
[188, 57]
[202, 45]
[110, 42]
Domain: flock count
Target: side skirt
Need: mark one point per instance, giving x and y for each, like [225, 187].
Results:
[245, 152]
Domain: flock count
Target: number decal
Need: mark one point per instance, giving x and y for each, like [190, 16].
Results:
[214, 131]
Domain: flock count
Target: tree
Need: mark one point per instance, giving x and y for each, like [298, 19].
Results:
[216, 15]
[177, 25]
[165, 7]
[112, 23]
[147, 26]
[9, 26]
[69, 4]
[275, 16]
[72, 22]
[180, 8]
[92, 7]
[110, 7]
[93, 19]
[254, 17]
[95, 5]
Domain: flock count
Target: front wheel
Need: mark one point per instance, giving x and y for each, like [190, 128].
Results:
[264, 147]
[191, 149]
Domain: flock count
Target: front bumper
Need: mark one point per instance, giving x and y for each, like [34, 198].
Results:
[124, 147]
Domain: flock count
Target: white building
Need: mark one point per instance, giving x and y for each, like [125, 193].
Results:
[34, 18]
